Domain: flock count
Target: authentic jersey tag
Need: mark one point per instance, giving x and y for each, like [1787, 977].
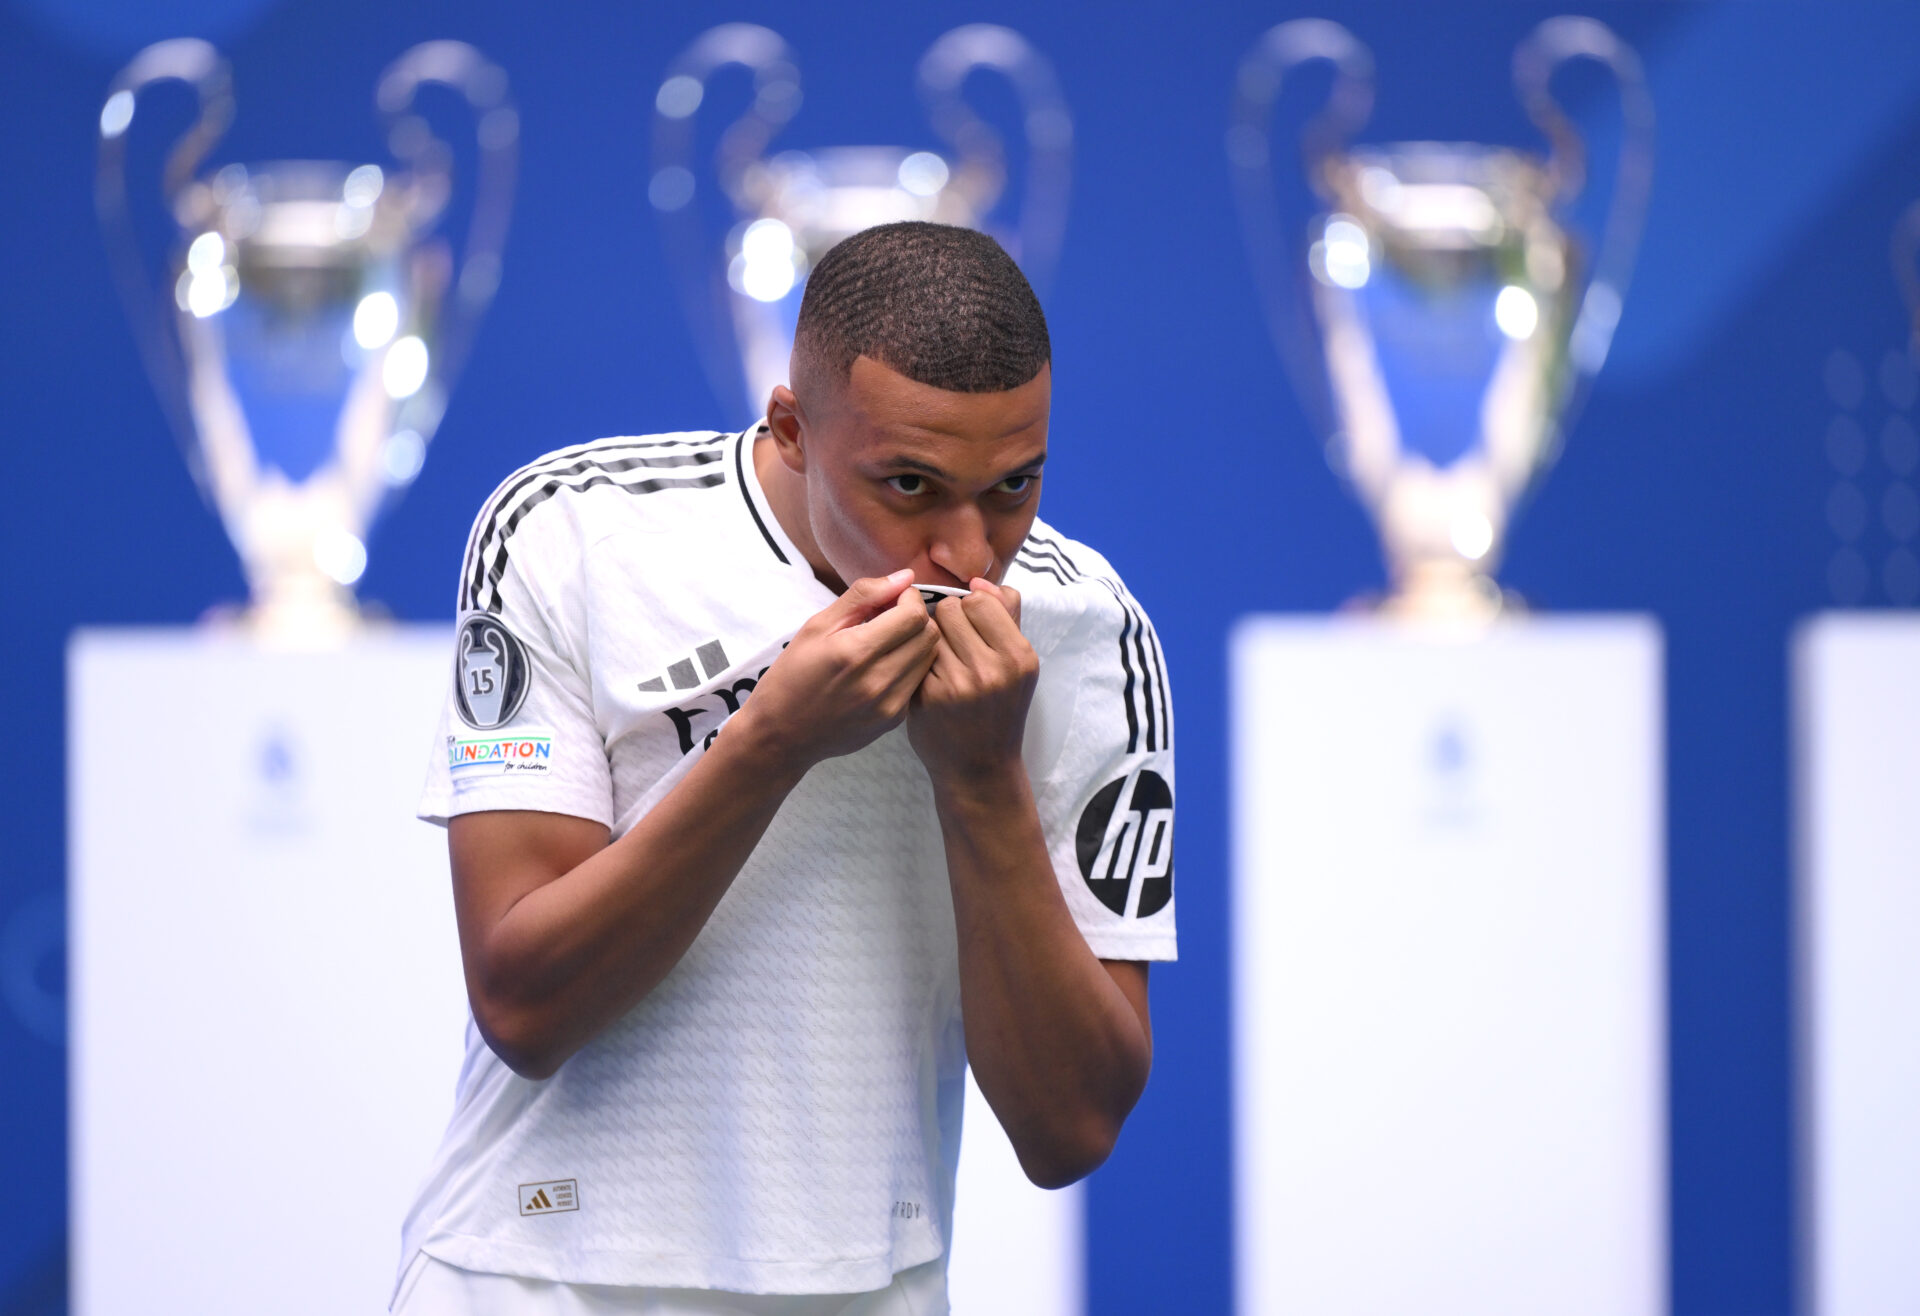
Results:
[547, 1198]
[500, 754]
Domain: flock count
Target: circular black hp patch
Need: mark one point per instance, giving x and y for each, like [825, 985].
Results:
[1128, 849]
[490, 672]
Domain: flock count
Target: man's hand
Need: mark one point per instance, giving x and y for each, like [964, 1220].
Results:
[970, 715]
[849, 673]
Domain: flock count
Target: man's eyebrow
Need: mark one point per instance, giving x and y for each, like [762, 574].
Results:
[916, 465]
[905, 463]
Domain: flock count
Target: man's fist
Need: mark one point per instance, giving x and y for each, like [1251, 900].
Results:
[970, 715]
[848, 675]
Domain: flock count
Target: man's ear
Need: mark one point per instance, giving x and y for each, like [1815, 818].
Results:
[788, 427]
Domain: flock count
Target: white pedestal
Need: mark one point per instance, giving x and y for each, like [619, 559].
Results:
[267, 996]
[1857, 737]
[1448, 984]
[267, 1002]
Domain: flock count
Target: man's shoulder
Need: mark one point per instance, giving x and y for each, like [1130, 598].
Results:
[1078, 613]
[560, 502]
[1099, 655]
[610, 473]
[1063, 581]
[634, 463]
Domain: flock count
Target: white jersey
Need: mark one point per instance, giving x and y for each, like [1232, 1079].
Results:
[781, 1114]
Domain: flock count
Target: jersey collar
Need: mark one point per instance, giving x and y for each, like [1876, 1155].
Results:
[758, 507]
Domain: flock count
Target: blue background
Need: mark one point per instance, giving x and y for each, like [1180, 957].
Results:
[1696, 484]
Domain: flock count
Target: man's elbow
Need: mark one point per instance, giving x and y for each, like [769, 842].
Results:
[521, 1041]
[1068, 1154]
[1073, 1139]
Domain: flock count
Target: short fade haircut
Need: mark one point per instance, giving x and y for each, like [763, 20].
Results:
[944, 306]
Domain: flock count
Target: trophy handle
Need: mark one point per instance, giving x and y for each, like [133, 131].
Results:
[200, 66]
[1557, 42]
[1276, 261]
[1284, 49]
[776, 97]
[943, 72]
[1906, 262]
[461, 68]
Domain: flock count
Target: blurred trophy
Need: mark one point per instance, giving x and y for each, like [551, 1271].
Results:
[309, 324]
[782, 213]
[1439, 315]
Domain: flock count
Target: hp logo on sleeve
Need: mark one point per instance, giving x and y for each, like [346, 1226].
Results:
[1126, 850]
[490, 672]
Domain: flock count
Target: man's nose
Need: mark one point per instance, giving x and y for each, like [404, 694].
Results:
[960, 546]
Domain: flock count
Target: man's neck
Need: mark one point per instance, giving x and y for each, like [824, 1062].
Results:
[787, 495]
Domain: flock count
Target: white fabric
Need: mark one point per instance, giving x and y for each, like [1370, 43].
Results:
[781, 1114]
[433, 1288]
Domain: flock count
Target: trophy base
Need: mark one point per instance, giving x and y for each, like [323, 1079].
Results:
[1448, 593]
[298, 620]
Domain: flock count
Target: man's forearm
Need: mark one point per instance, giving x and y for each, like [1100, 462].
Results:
[1057, 1048]
[573, 955]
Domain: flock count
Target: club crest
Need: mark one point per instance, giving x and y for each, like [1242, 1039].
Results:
[490, 672]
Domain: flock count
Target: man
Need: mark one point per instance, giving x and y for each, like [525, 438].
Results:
[754, 849]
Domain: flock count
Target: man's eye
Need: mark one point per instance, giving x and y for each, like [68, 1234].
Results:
[1014, 484]
[909, 485]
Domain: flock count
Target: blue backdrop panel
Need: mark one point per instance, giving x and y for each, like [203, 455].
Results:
[1699, 484]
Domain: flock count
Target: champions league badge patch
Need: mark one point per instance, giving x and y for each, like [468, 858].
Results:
[490, 672]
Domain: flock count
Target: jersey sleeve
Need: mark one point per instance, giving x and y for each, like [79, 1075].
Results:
[1106, 799]
[517, 729]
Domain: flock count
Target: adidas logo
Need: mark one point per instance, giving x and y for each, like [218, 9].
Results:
[551, 1196]
[681, 675]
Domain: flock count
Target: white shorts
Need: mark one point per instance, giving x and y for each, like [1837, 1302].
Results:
[433, 1288]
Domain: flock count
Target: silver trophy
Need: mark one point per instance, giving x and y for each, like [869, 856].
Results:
[1440, 315]
[309, 323]
[785, 211]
